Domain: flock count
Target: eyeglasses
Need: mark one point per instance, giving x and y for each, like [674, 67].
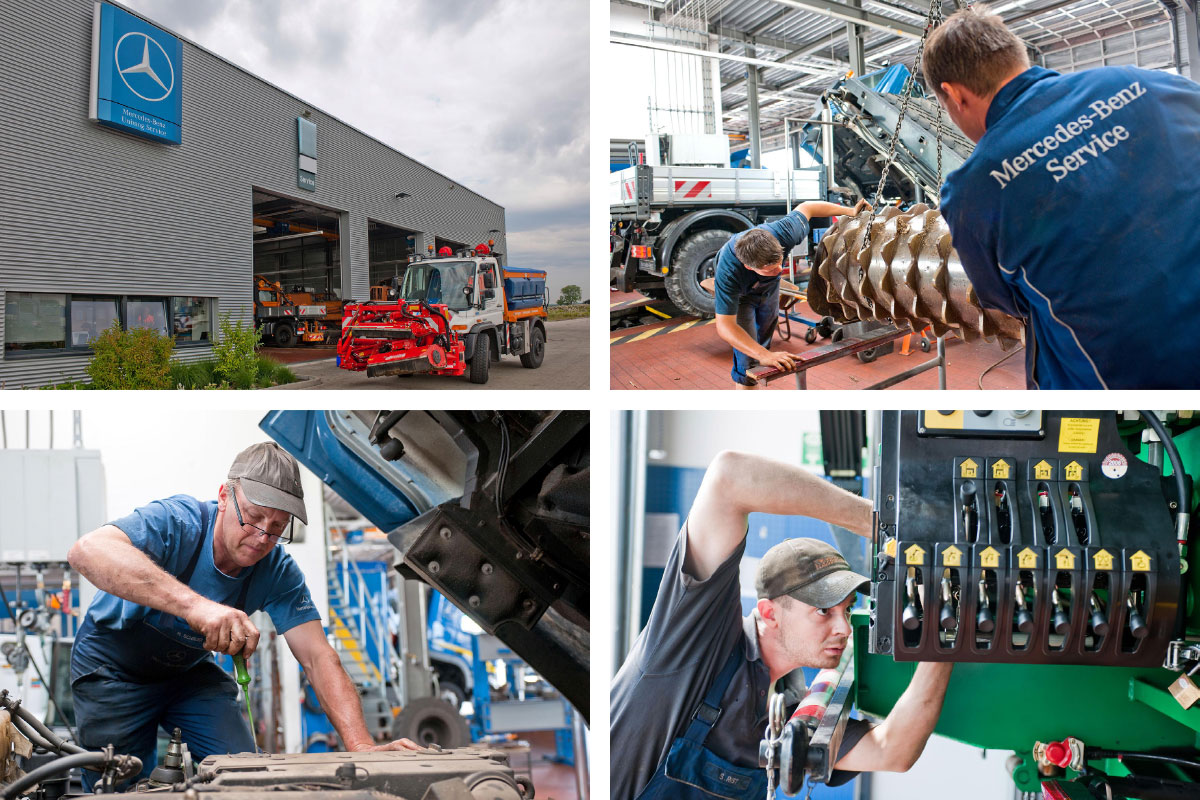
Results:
[273, 538]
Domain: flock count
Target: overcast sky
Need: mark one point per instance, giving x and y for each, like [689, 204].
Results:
[491, 93]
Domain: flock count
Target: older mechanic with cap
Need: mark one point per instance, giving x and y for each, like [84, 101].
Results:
[178, 579]
[689, 705]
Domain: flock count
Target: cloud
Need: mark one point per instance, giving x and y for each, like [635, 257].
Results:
[492, 93]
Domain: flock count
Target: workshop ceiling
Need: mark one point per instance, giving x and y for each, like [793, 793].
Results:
[809, 41]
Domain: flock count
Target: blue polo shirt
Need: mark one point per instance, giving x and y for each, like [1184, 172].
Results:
[169, 531]
[1077, 212]
[734, 281]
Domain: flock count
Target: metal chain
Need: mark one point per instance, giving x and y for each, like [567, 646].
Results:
[930, 22]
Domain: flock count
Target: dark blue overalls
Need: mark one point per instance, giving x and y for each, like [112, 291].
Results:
[690, 770]
[148, 679]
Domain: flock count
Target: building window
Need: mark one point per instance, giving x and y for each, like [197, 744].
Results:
[35, 321]
[146, 312]
[192, 320]
[90, 317]
[70, 323]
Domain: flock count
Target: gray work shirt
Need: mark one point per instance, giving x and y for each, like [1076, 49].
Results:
[691, 631]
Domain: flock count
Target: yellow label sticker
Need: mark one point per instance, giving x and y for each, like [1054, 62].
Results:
[969, 469]
[1001, 470]
[989, 557]
[889, 547]
[1043, 471]
[952, 557]
[1078, 435]
[914, 555]
[1027, 559]
[1073, 471]
[1103, 559]
[952, 420]
[1140, 562]
[1064, 559]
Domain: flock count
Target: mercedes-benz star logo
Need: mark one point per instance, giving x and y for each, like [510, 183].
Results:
[144, 68]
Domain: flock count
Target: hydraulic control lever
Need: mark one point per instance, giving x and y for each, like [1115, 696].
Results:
[1061, 623]
[947, 619]
[985, 621]
[1046, 513]
[1024, 619]
[911, 617]
[1099, 621]
[970, 515]
[1137, 625]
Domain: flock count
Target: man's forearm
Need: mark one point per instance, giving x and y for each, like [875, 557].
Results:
[121, 569]
[339, 700]
[820, 208]
[913, 718]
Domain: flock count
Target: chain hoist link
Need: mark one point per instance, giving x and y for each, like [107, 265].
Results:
[930, 22]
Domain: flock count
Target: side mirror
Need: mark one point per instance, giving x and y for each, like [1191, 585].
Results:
[489, 281]
[489, 294]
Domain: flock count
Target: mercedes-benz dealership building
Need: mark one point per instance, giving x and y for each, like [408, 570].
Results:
[147, 180]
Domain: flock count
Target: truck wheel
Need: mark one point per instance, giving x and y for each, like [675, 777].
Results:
[285, 336]
[537, 350]
[480, 358]
[695, 261]
[431, 720]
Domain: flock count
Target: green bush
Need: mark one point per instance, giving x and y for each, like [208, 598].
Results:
[235, 352]
[261, 373]
[272, 373]
[197, 375]
[132, 359]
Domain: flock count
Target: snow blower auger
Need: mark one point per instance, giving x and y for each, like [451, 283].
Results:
[399, 338]
[909, 274]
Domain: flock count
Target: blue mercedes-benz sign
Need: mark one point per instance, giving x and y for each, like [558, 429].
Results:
[137, 76]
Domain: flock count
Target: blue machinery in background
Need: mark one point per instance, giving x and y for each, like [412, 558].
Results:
[459, 650]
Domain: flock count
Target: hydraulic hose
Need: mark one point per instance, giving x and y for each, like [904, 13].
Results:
[38, 726]
[1183, 517]
[128, 765]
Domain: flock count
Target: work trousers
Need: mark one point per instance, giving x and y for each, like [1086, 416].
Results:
[202, 702]
[757, 316]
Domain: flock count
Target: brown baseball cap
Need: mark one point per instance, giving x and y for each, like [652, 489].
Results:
[270, 477]
[809, 570]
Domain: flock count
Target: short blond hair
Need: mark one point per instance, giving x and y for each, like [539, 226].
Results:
[974, 48]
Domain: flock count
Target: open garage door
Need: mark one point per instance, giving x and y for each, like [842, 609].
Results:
[390, 248]
[297, 271]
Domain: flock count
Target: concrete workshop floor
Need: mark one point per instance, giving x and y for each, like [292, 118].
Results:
[687, 353]
[550, 780]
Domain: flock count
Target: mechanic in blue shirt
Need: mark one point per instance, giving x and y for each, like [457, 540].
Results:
[747, 286]
[178, 579]
[1076, 211]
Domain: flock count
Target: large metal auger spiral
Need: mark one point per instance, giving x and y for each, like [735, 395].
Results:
[910, 274]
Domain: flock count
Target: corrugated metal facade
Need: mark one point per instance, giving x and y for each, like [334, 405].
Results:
[87, 209]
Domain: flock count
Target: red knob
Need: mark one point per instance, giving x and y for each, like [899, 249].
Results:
[1058, 753]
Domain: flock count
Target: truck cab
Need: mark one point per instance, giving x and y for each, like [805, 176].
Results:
[497, 310]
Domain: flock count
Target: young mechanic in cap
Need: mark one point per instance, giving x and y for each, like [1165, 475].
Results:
[749, 267]
[1035, 216]
[689, 705]
[178, 579]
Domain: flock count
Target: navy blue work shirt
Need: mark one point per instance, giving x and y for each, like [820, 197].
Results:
[1077, 212]
[167, 531]
[734, 281]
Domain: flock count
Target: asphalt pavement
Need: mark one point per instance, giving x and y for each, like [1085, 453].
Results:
[564, 367]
